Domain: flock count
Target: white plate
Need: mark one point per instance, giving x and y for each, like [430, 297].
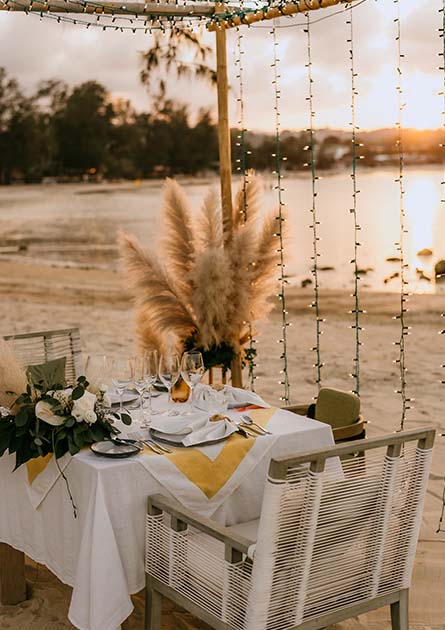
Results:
[126, 398]
[176, 440]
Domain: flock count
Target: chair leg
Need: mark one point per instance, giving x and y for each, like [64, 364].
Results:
[153, 608]
[399, 612]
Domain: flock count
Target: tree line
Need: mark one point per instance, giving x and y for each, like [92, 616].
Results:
[81, 132]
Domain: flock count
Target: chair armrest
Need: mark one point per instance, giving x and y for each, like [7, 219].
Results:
[350, 431]
[158, 503]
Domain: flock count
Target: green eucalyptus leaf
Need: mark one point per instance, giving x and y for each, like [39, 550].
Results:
[126, 419]
[78, 392]
[72, 446]
[22, 417]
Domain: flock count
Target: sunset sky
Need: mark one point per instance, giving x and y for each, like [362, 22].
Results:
[32, 49]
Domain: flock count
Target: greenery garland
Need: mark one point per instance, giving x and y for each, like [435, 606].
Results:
[56, 420]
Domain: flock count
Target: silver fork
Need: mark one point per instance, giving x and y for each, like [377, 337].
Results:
[157, 448]
[152, 447]
[248, 420]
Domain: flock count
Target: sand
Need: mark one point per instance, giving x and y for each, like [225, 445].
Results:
[37, 297]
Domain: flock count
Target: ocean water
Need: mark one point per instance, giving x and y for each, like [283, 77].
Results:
[76, 224]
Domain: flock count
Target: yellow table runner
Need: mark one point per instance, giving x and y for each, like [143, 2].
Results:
[36, 466]
[209, 476]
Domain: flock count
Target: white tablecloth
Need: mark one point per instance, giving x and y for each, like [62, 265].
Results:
[101, 553]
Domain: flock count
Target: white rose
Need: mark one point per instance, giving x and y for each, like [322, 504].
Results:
[44, 412]
[83, 406]
[90, 417]
[78, 414]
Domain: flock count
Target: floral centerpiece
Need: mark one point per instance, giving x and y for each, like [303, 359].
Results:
[50, 419]
[57, 420]
[202, 290]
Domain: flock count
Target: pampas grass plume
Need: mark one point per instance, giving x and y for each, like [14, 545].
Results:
[12, 375]
[203, 286]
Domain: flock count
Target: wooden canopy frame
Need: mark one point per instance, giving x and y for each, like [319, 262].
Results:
[221, 17]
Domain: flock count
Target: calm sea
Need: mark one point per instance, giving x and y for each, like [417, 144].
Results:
[76, 224]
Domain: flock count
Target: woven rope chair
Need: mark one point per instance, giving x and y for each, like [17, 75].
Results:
[39, 347]
[331, 542]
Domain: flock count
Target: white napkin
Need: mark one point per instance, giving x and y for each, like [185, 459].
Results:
[237, 397]
[208, 399]
[192, 429]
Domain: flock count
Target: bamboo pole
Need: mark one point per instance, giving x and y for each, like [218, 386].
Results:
[225, 162]
[225, 157]
[258, 15]
[132, 9]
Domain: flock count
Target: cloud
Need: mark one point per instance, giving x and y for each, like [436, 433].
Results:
[32, 49]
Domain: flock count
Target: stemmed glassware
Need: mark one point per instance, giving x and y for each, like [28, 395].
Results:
[98, 370]
[151, 374]
[122, 378]
[139, 369]
[192, 370]
[169, 373]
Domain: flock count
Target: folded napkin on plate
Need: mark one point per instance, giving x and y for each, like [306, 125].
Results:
[237, 397]
[208, 399]
[191, 430]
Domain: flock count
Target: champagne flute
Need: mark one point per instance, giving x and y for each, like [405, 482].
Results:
[98, 370]
[192, 370]
[139, 369]
[122, 377]
[151, 374]
[169, 373]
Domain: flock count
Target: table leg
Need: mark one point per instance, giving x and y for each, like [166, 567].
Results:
[12, 575]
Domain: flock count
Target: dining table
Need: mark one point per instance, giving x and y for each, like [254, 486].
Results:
[92, 537]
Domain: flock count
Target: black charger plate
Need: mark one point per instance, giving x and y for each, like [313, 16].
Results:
[117, 448]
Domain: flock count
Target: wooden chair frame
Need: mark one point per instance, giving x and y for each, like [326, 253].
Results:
[237, 546]
[51, 349]
[352, 431]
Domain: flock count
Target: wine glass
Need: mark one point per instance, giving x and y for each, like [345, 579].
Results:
[192, 370]
[98, 370]
[122, 377]
[151, 374]
[139, 370]
[169, 373]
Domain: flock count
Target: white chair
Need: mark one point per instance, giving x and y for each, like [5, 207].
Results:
[39, 347]
[328, 546]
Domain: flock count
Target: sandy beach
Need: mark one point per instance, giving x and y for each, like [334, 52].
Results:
[41, 297]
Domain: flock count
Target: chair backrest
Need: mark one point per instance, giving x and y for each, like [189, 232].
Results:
[329, 539]
[336, 407]
[39, 347]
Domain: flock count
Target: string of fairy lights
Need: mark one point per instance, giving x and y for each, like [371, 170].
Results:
[315, 304]
[356, 310]
[442, 200]
[404, 294]
[242, 168]
[124, 17]
[279, 158]
[189, 12]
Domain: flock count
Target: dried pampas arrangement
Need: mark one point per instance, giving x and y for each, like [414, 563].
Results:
[207, 294]
[13, 379]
